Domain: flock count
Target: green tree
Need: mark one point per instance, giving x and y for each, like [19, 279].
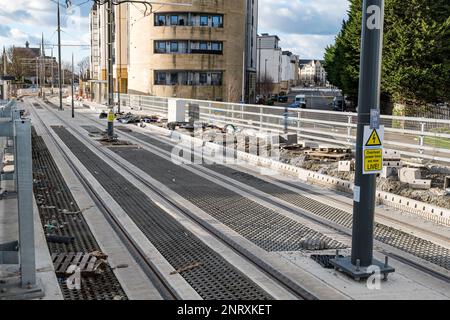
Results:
[416, 67]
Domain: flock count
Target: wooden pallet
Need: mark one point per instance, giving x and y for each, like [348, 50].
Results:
[62, 261]
[331, 150]
[329, 155]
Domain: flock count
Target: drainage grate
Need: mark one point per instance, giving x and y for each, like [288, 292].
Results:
[205, 270]
[411, 244]
[60, 213]
[264, 227]
[324, 260]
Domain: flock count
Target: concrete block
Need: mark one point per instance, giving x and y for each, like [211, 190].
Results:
[194, 112]
[345, 166]
[389, 154]
[447, 182]
[409, 175]
[289, 139]
[176, 111]
[388, 172]
[310, 144]
[393, 163]
[421, 184]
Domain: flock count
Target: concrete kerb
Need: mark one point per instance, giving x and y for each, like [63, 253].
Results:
[134, 282]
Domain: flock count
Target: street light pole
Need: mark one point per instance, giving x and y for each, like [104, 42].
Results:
[73, 88]
[59, 57]
[109, 13]
[361, 264]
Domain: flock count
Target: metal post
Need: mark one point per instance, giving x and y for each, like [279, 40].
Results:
[24, 186]
[59, 62]
[369, 98]
[73, 89]
[109, 13]
[365, 185]
[52, 71]
[259, 69]
[422, 137]
[119, 72]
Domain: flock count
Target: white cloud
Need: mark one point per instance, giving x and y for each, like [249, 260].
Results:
[305, 27]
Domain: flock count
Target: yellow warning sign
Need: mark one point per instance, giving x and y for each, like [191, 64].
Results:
[373, 160]
[374, 140]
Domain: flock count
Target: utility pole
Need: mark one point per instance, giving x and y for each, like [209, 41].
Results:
[52, 70]
[244, 80]
[109, 13]
[361, 264]
[42, 67]
[259, 68]
[73, 89]
[119, 71]
[5, 71]
[59, 57]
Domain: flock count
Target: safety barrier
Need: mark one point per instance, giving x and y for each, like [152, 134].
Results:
[427, 139]
[15, 135]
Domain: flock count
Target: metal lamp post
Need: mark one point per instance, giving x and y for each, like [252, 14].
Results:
[361, 264]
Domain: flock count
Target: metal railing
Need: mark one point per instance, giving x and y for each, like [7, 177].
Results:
[15, 138]
[424, 138]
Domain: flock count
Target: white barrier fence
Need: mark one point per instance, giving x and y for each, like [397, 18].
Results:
[427, 139]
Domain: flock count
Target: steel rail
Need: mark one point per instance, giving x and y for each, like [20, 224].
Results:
[147, 266]
[264, 267]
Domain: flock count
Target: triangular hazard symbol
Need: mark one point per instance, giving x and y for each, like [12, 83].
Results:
[374, 139]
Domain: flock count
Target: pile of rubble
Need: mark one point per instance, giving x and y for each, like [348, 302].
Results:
[410, 178]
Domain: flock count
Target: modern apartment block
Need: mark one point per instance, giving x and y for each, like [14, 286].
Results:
[269, 61]
[206, 50]
[99, 40]
[289, 70]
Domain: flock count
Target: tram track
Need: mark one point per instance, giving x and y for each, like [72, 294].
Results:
[327, 215]
[279, 278]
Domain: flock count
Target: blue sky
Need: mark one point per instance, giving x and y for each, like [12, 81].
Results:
[305, 27]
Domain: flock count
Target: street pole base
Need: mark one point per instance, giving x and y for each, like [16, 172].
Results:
[345, 266]
[11, 289]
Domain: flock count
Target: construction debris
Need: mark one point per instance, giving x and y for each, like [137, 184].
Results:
[186, 268]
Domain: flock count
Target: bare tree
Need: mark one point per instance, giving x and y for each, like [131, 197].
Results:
[266, 86]
[83, 67]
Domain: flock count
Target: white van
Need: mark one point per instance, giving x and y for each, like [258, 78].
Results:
[301, 99]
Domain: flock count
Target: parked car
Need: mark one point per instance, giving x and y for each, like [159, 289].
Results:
[282, 97]
[269, 101]
[295, 104]
[259, 100]
[339, 104]
[301, 99]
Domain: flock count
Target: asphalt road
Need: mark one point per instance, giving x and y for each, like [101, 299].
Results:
[318, 99]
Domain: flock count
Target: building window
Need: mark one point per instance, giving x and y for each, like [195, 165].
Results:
[161, 78]
[160, 20]
[160, 47]
[190, 78]
[173, 20]
[203, 80]
[203, 46]
[173, 47]
[217, 21]
[216, 79]
[192, 19]
[174, 78]
[216, 46]
[203, 21]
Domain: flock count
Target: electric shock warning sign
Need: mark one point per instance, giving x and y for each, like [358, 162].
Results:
[373, 150]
